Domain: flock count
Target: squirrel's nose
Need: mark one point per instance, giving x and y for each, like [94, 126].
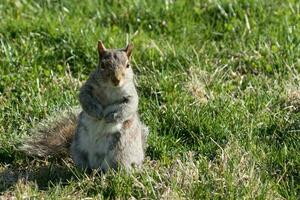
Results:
[116, 81]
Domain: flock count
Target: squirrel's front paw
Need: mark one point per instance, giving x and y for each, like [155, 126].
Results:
[111, 117]
[99, 115]
[96, 114]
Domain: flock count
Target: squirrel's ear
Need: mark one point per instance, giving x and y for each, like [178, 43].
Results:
[101, 48]
[128, 49]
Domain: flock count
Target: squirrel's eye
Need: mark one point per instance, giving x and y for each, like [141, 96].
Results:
[127, 66]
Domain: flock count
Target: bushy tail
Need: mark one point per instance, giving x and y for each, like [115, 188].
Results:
[53, 136]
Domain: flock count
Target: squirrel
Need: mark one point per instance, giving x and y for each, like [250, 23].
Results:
[107, 131]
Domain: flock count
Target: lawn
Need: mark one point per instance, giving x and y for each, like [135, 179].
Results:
[219, 87]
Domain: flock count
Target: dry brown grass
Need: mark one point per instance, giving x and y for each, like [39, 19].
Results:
[196, 84]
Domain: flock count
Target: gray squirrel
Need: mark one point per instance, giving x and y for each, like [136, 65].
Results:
[107, 132]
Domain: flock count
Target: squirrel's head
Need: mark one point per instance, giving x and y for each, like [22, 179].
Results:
[114, 64]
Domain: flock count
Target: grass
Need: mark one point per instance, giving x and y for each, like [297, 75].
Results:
[219, 87]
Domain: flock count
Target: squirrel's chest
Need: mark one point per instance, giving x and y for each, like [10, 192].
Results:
[106, 97]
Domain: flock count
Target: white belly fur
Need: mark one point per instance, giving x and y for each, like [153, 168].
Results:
[96, 141]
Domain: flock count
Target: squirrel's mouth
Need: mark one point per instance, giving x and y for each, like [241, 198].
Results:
[117, 83]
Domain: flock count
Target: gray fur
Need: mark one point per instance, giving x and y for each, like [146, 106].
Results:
[100, 156]
[80, 157]
[115, 138]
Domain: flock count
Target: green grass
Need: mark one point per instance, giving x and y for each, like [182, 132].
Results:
[219, 87]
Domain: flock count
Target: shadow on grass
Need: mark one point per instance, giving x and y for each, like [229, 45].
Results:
[43, 174]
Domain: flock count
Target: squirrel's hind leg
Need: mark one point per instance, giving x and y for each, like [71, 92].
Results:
[80, 158]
